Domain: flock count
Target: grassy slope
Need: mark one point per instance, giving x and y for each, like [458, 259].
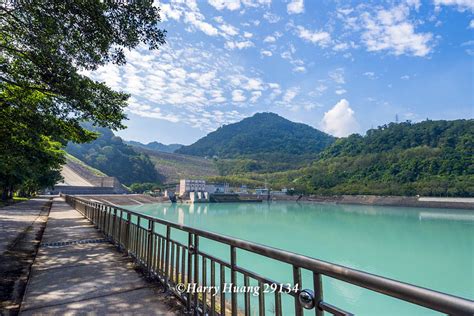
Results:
[176, 166]
[94, 171]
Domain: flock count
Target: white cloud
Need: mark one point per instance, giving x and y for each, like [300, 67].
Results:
[461, 5]
[270, 17]
[236, 4]
[266, 53]
[290, 94]
[256, 3]
[337, 75]
[225, 4]
[238, 45]
[405, 77]
[315, 37]
[238, 96]
[340, 121]
[252, 84]
[185, 83]
[295, 7]
[255, 96]
[269, 39]
[471, 24]
[109, 74]
[392, 31]
[273, 85]
[318, 90]
[167, 11]
[299, 69]
[340, 91]
[229, 29]
[369, 74]
[197, 20]
[341, 46]
[248, 35]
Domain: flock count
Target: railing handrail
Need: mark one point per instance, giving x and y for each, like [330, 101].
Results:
[442, 302]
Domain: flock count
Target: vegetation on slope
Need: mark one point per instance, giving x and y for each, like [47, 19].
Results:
[427, 158]
[111, 155]
[173, 167]
[93, 171]
[260, 139]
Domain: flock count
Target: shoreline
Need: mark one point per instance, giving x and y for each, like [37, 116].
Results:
[402, 201]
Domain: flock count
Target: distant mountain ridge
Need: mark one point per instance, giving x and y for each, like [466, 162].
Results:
[156, 146]
[264, 134]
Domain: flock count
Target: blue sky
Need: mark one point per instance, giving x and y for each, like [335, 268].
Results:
[339, 66]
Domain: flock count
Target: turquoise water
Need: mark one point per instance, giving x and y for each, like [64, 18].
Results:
[433, 248]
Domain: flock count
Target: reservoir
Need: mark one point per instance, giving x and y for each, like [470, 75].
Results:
[432, 248]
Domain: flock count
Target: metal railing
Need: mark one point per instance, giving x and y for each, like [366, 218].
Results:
[173, 262]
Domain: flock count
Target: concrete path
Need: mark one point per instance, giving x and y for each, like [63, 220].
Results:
[21, 227]
[87, 278]
[16, 218]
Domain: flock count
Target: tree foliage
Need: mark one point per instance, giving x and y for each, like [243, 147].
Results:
[428, 158]
[262, 137]
[143, 187]
[46, 47]
[111, 155]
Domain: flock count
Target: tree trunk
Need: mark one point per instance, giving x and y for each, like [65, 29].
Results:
[10, 192]
[4, 193]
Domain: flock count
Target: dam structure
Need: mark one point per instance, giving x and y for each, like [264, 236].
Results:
[80, 179]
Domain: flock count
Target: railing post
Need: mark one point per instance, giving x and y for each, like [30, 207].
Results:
[190, 260]
[103, 212]
[167, 255]
[222, 279]
[196, 272]
[127, 234]
[233, 279]
[136, 239]
[150, 247]
[318, 292]
[114, 225]
[297, 282]
[120, 230]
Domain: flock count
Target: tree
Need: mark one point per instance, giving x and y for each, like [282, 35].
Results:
[45, 47]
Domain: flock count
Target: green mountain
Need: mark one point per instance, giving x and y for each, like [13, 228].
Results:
[262, 137]
[111, 155]
[156, 146]
[431, 158]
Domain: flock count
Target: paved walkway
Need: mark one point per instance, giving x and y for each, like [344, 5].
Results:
[87, 278]
[16, 218]
[21, 225]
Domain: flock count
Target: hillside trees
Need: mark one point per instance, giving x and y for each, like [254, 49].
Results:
[44, 48]
[111, 155]
[434, 158]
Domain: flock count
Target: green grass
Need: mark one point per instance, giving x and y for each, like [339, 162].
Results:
[80, 162]
[16, 199]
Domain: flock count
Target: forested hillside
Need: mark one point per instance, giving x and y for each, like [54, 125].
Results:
[111, 155]
[427, 158]
[260, 135]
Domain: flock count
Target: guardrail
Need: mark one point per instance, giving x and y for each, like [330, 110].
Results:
[174, 262]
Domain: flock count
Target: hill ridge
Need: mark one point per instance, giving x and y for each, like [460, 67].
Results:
[262, 133]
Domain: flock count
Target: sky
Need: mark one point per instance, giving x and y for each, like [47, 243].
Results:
[340, 66]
